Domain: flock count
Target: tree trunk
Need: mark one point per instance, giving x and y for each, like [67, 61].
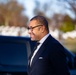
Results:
[6, 21]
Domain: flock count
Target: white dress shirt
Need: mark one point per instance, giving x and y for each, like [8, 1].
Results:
[41, 42]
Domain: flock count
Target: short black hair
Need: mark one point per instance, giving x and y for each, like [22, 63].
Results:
[41, 20]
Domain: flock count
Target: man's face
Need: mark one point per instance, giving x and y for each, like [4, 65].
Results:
[34, 30]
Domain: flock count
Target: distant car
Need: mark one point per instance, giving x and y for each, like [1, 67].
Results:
[14, 52]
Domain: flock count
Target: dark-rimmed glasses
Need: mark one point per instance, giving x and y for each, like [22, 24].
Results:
[31, 28]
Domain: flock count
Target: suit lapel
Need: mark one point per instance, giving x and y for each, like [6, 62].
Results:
[37, 55]
[40, 51]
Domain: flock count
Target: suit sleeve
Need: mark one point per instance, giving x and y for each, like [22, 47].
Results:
[58, 60]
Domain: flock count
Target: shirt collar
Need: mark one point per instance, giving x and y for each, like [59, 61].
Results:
[44, 38]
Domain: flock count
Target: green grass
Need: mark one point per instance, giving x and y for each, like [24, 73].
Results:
[70, 44]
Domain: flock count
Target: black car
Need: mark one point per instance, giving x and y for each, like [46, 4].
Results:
[14, 52]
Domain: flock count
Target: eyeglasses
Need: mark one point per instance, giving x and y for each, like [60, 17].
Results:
[31, 28]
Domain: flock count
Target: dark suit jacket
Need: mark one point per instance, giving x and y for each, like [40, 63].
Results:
[49, 60]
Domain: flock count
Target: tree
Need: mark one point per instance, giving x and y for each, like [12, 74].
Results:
[71, 6]
[57, 21]
[10, 9]
[19, 20]
[67, 24]
[1, 20]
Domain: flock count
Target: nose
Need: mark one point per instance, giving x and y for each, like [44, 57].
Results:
[29, 31]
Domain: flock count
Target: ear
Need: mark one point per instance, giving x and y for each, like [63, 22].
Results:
[43, 29]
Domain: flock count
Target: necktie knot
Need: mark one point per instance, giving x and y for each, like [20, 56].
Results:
[36, 45]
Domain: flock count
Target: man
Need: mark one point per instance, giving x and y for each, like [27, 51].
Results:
[49, 58]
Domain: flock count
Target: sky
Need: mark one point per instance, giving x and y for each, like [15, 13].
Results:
[55, 6]
[30, 5]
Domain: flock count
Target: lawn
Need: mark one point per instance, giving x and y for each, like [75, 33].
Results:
[70, 44]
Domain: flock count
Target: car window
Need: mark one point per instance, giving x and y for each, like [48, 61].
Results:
[13, 53]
